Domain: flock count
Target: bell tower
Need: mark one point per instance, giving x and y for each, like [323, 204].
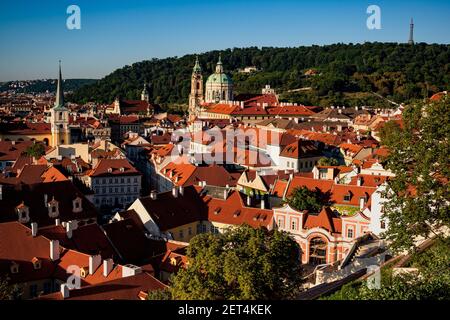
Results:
[196, 95]
[59, 116]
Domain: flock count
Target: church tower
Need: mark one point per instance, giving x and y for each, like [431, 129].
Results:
[145, 96]
[196, 95]
[59, 116]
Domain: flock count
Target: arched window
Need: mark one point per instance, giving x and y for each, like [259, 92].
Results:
[317, 251]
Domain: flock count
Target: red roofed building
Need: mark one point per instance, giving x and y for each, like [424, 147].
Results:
[116, 183]
[40, 265]
[325, 237]
[185, 212]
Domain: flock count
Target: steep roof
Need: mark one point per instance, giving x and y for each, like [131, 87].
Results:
[113, 167]
[127, 288]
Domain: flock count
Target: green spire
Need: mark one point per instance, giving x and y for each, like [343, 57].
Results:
[59, 102]
[197, 67]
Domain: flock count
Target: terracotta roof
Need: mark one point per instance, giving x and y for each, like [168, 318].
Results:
[89, 239]
[300, 149]
[113, 167]
[233, 211]
[128, 288]
[33, 195]
[326, 219]
[169, 212]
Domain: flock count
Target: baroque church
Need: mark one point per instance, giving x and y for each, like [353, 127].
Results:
[218, 88]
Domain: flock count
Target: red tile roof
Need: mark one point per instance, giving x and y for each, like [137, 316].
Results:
[128, 288]
[113, 167]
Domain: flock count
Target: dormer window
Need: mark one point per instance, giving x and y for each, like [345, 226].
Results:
[53, 208]
[14, 268]
[83, 272]
[23, 212]
[122, 169]
[36, 263]
[347, 197]
[173, 261]
[76, 205]
[109, 170]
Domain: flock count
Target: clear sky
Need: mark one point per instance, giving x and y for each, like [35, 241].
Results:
[114, 33]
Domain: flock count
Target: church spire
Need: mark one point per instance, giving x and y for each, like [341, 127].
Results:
[59, 102]
[197, 67]
[411, 32]
[219, 66]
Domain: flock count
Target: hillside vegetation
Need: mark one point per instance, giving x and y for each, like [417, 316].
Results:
[350, 74]
[42, 86]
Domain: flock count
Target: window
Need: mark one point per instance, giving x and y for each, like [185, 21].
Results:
[347, 197]
[281, 222]
[383, 224]
[47, 287]
[350, 233]
[293, 224]
[181, 234]
[33, 290]
[190, 231]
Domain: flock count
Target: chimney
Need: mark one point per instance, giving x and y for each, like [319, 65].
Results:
[107, 267]
[94, 263]
[57, 222]
[45, 200]
[175, 192]
[54, 250]
[362, 203]
[225, 194]
[34, 229]
[359, 181]
[153, 195]
[69, 230]
[64, 290]
[263, 204]
[249, 201]
[130, 270]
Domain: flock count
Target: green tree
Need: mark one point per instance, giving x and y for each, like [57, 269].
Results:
[36, 150]
[432, 282]
[328, 162]
[418, 197]
[8, 291]
[242, 263]
[304, 199]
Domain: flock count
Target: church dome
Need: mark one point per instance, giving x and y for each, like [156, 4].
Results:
[219, 78]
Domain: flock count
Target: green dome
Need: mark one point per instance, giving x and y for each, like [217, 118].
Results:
[219, 78]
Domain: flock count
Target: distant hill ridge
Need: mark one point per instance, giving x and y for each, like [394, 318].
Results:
[43, 85]
[344, 74]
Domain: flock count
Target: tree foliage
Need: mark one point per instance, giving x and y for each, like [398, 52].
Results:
[418, 197]
[304, 199]
[242, 263]
[7, 290]
[432, 282]
[328, 162]
[399, 72]
[36, 150]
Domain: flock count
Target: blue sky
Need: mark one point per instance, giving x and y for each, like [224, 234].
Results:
[115, 33]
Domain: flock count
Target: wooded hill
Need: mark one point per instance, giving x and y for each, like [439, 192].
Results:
[345, 74]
